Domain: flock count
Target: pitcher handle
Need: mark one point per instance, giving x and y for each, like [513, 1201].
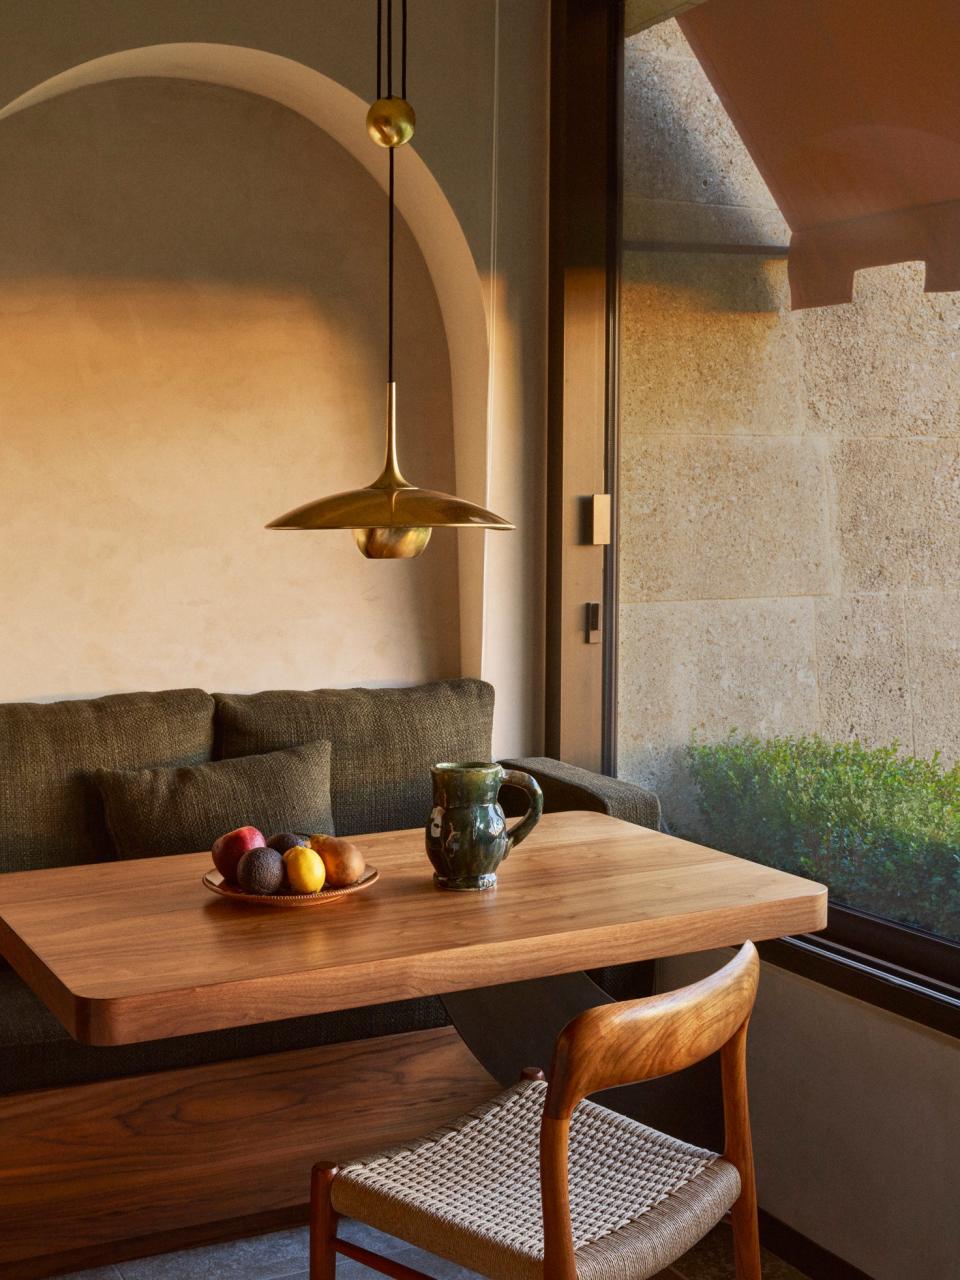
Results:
[517, 778]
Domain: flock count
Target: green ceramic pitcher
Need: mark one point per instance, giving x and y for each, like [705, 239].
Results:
[467, 835]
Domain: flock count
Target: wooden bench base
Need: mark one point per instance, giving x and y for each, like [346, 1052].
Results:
[125, 1168]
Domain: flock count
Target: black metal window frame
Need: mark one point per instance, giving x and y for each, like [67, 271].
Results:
[905, 971]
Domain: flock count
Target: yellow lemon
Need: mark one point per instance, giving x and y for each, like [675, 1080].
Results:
[305, 869]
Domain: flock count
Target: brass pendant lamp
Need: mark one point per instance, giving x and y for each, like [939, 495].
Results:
[391, 519]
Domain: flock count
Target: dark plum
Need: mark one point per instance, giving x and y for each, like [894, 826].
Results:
[286, 840]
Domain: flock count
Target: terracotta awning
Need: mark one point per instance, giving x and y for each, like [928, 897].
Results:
[851, 112]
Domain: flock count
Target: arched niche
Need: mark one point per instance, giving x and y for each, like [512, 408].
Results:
[421, 202]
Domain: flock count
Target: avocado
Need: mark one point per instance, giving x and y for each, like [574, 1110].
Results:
[261, 871]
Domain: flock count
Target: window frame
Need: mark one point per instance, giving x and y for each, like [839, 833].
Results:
[906, 971]
[586, 148]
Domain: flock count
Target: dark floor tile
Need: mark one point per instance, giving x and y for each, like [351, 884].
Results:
[269, 1257]
[98, 1273]
[776, 1269]
[283, 1255]
[712, 1259]
[399, 1250]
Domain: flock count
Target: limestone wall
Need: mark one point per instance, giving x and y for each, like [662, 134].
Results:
[790, 482]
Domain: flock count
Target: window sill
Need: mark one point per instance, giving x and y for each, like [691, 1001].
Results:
[904, 971]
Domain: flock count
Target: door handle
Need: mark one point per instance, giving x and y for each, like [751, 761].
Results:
[594, 617]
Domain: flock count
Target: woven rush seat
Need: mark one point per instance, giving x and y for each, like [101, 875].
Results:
[639, 1199]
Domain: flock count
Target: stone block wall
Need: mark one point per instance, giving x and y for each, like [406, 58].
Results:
[790, 481]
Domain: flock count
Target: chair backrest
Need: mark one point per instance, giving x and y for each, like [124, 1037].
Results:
[635, 1040]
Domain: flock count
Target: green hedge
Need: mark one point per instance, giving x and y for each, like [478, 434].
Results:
[882, 830]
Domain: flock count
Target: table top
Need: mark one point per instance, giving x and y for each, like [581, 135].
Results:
[137, 950]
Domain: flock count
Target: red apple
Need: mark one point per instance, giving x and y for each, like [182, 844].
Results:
[229, 849]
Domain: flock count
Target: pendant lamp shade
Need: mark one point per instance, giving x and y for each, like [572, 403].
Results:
[390, 503]
[389, 508]
[391, 519]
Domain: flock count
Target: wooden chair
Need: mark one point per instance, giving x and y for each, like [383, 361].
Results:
[609, 1198]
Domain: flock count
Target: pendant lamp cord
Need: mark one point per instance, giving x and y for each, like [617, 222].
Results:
[390, 257]
[391, 216]
[379, 48]
[388, 91]
[403, 50]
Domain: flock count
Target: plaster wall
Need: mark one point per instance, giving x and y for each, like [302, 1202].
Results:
[191, 341]
[276, 253]
[790, 500]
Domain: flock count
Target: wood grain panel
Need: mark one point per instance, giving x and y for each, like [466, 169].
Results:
[138, 950]
[88, 1165]
[585, 59]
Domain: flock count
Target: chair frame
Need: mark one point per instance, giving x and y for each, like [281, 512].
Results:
[612, 1045]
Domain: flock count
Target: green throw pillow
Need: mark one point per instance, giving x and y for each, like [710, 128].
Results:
[182, 810]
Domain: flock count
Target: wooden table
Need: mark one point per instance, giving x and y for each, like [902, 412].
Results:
[130, 951]
[140, 950]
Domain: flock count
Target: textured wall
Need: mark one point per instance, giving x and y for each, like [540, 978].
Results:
[367, 622]
[790, 481]
[789, 556]
[191, 342]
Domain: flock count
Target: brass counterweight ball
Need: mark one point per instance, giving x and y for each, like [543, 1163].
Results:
[391, 122]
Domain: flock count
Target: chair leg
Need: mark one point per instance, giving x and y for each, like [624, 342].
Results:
[738, 1149]
[323, 1224]
[746, 1238]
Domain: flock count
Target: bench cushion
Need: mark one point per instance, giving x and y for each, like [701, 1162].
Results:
[36, 1052]
[50, 811]
[151, 812]
[384, 741]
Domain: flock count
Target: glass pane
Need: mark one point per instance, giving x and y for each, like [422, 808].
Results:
[789, 677]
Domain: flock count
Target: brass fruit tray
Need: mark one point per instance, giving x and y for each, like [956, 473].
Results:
[215, 882]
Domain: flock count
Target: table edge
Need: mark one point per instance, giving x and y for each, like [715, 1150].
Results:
[130, 1019]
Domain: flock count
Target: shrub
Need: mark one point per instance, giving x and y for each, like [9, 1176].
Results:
[882, 830]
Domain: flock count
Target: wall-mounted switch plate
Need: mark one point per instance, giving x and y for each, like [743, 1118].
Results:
[597, 520]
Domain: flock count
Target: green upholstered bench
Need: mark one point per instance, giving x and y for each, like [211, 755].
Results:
[383, 743]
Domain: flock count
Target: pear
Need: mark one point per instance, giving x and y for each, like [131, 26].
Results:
[343, 860]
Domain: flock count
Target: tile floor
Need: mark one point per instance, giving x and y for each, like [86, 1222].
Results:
[282, 1255]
